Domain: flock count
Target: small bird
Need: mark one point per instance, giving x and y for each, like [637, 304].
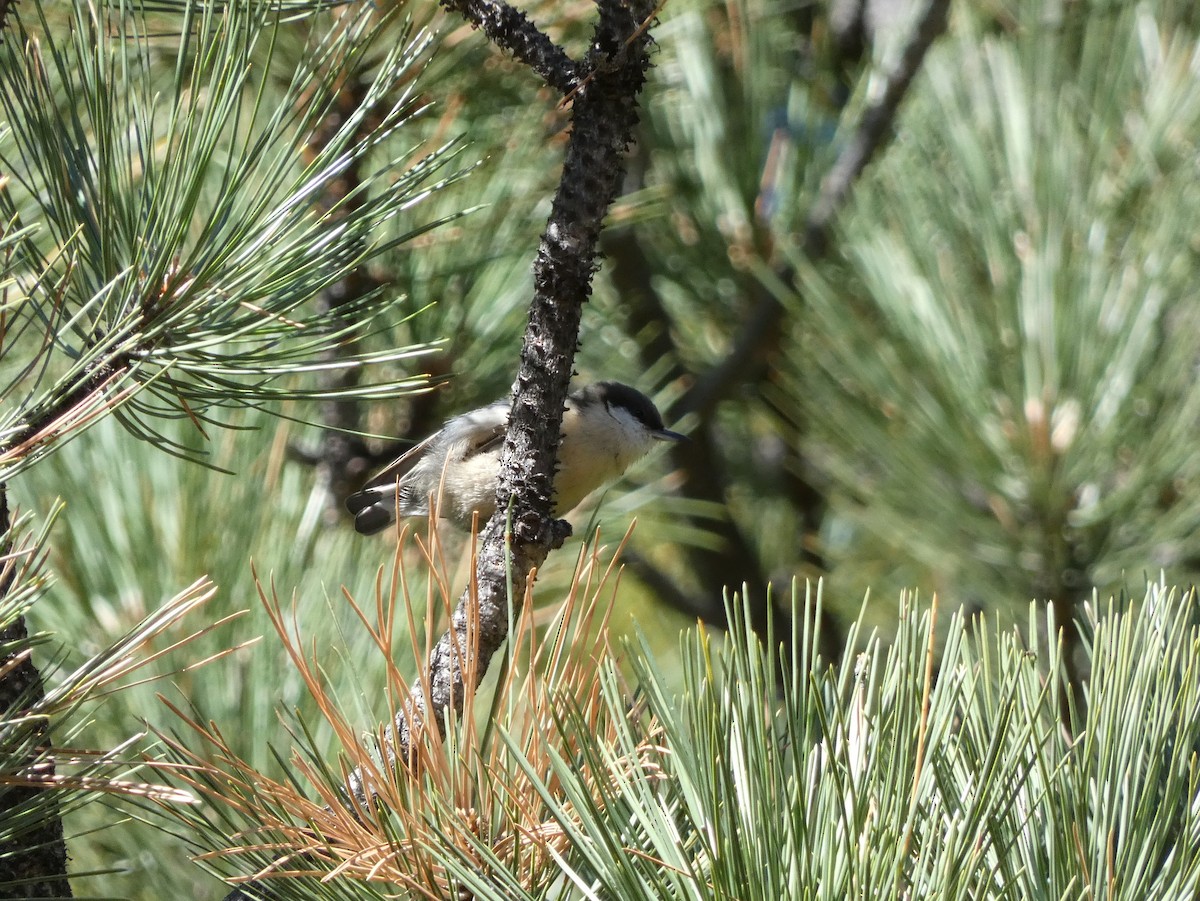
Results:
[606, 427]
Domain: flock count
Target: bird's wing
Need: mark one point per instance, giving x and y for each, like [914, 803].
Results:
[402, 465]
[466, 436]
[477, 432]
[485, 442]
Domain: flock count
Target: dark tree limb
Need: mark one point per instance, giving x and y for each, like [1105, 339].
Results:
[34, 861]
[873, 131]
[631, 271]
[735, 565]
[44, 424]
[522, 532]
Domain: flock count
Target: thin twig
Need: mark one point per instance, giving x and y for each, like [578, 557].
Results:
[73, 403]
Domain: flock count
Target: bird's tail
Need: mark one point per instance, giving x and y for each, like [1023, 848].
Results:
[374, 508]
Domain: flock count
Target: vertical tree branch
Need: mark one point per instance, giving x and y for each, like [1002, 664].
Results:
[604, 113]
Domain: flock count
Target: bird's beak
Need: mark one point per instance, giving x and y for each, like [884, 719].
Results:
[667, 435]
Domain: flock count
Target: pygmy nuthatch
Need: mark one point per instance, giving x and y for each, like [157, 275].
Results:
[606, 427]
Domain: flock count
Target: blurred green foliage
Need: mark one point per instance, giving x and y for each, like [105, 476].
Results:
[987, 389]
[1007, 336]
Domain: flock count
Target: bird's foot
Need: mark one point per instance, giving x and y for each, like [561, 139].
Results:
[560, 531]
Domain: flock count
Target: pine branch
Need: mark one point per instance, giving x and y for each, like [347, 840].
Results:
[873, 131]
[71, 407]
[199, 319]
[522, 532]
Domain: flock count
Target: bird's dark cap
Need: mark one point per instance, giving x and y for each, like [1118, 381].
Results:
[615, 394]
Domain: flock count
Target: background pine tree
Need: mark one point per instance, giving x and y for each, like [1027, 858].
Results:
[983, 385]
